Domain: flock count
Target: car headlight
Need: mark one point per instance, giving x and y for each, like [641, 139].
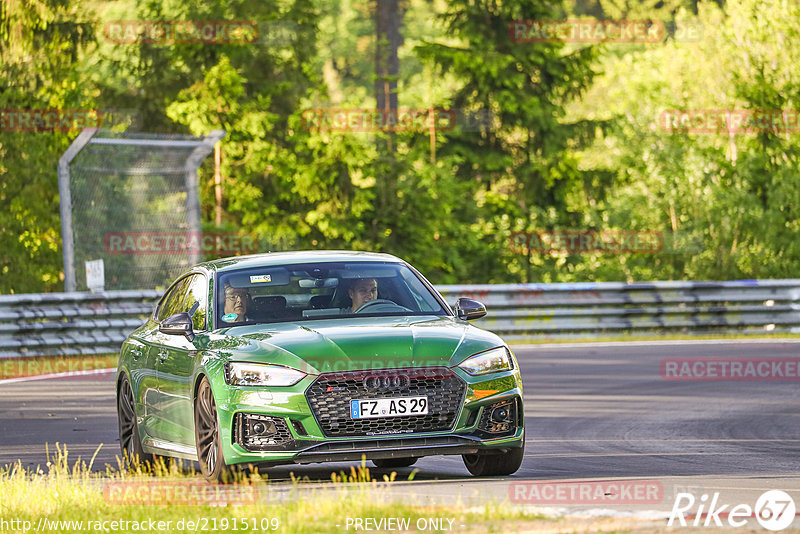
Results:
[491, 361]
[258, 374]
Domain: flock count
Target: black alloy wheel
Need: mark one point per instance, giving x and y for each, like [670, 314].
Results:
[207, 435]
[130, 443]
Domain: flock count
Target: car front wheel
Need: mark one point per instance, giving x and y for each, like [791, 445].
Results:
[494, 465]
[207, 435]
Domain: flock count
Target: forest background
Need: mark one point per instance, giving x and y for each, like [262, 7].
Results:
[552, 137]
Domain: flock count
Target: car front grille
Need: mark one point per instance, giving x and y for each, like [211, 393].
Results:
[330, 394]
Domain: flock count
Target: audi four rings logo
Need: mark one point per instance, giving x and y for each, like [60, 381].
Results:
[386, 382]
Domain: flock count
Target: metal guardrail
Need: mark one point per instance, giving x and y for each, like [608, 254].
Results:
[48, 324]
[88, 323]
[553, 311]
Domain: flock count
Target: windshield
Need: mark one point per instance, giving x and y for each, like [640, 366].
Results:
[311, 291]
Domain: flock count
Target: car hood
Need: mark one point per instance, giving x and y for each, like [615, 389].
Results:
[355, 343]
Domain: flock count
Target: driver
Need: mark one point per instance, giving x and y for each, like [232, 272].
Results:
[235, 304]
[362, 291]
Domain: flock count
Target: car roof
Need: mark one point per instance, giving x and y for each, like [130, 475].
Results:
[299, 256]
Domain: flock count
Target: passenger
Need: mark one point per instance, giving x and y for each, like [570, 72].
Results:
[236, 300]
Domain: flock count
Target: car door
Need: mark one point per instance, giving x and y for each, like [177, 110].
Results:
[134, 353]
[175, 362]
[159, 347]
[143, 365]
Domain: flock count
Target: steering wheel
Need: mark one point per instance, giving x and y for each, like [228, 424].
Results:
[379, 305]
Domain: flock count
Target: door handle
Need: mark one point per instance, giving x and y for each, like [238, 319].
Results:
[162, 355]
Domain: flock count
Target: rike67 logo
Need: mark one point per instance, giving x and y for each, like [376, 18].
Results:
[774, 510]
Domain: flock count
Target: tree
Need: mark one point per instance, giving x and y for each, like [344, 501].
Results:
[727, 198]
[41, 44]
[520, 166]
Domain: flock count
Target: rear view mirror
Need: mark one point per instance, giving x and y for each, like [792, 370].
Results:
[309, 283]
[469, 309]
[179, 324]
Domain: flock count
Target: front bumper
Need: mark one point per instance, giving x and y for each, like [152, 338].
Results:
[416, 447]
[302, 439]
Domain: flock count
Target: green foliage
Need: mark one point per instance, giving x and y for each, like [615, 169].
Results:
[575, 142]
[40, 50]
[730, 197]
[521, 166]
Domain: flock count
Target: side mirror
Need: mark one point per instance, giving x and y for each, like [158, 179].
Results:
[179, 324]
[469, 309]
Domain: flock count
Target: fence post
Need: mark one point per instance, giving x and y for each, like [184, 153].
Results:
[65, 197]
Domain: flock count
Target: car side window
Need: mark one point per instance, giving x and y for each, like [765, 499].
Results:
[162, 305]
[174, 302]
[196, 301]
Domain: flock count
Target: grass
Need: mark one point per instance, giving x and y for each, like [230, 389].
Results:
[63, 492]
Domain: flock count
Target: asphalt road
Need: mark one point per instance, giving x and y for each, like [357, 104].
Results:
[592, 413]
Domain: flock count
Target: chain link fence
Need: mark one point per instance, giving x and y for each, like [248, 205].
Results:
[122, 190]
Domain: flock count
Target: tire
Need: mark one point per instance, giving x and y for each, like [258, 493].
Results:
[495, 465]
[395, 462]
[207, 435]
[130, 444]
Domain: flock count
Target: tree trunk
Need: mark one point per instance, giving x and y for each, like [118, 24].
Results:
[388, 18]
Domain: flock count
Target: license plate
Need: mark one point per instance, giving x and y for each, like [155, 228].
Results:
[396, 407]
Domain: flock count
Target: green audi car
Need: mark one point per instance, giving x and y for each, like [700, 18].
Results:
[304, 357]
